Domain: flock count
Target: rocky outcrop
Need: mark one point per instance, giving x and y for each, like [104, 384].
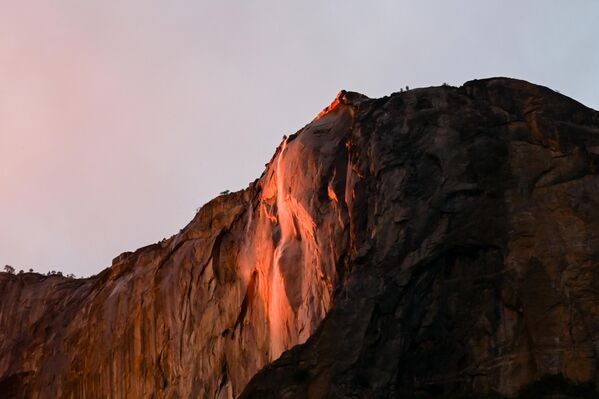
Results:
[433, 242]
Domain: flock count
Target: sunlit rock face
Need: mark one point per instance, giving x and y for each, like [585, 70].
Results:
[199, 314]
[436, 241]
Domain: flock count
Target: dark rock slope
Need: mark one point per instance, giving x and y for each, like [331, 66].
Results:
[433, 242]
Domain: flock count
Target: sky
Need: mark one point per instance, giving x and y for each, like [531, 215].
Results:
[118, 119]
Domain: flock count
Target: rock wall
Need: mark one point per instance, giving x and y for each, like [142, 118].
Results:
[476, 266]
[436, 241]
[199, 314]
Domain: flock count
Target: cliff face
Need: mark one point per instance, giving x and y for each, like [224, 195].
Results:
[434, 241]
[199, 314]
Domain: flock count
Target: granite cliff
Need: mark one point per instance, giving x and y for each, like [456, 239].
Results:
[434, 242]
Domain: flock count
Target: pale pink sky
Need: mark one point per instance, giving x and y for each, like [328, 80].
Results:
[119, 118]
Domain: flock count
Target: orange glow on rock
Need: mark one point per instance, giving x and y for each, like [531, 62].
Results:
[294, 261]
[331, 193]
[338, 100]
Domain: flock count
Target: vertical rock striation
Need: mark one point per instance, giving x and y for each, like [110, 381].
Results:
[436, 241]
